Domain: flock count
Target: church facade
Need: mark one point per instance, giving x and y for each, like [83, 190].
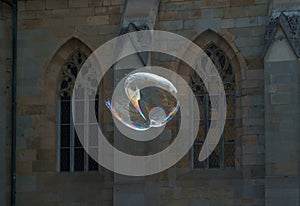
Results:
[255, 47]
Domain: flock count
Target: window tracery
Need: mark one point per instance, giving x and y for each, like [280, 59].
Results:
[224, 153]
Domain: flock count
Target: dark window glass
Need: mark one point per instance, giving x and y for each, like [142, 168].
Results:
[79, 157]
[65, 159]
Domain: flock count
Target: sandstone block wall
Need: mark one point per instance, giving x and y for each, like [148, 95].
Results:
[237, 26]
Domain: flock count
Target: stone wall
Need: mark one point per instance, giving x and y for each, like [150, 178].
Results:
[46, 25]
[5, 101]
[281, 123]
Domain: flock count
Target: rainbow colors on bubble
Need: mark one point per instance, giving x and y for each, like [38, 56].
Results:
[144, 100]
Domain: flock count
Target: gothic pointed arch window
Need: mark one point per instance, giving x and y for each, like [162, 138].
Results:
[224, 153]
[71, 154]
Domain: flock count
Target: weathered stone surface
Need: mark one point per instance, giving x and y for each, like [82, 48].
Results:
[98, 20]
[246, 22]
[171, 25]
[33, 5]
[56, 4]
[78, 3]
[236, 26]
[228, 23]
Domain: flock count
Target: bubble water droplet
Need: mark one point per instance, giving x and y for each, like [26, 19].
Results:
[143, 100]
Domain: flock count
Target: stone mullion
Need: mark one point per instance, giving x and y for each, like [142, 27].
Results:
[222, 155]
[206, 100]
[58, 137]
[72, 143]
[86, 131]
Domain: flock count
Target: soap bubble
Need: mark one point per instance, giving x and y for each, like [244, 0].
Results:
[144, 100]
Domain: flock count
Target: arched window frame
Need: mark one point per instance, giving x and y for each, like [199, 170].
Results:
[227, 145]
[71, 162]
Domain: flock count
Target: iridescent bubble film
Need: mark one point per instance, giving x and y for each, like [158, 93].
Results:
[144, 100]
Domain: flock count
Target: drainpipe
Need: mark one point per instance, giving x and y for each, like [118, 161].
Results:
[13, 5]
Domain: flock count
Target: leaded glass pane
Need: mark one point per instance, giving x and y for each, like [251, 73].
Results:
[65, 159]
[229, 151]
[230, 100]
[196, 152]
[215, 157]
[77, 141]
[228, 132]
[65, 136]
[79, 159]
[93, 165]
[65, 111]
[79, 115]
[201, 132]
